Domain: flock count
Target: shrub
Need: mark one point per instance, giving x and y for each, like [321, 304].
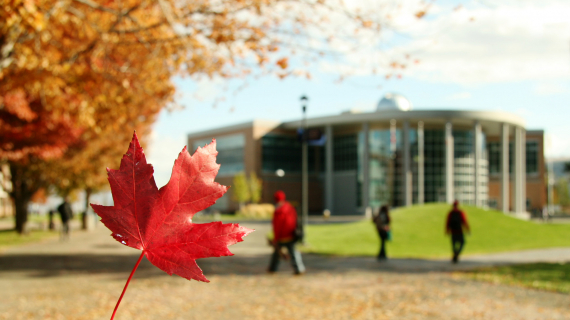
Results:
[258, 211]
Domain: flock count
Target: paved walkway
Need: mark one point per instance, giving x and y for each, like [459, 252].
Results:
[82, 278]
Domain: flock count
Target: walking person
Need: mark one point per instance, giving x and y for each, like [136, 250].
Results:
[51, 225]
[284, 226]
[65, 214]
[545, 215]
[382, 222]
[456, 223]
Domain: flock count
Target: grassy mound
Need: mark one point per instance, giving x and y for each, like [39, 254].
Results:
[418, 232]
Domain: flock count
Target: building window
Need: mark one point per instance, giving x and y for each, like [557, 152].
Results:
[281, 152]
[380, 168]
[284, 152]
[532, 157]
[495, 165]
[434, 165]
[230, 153]
[345, 152]
[495, 157]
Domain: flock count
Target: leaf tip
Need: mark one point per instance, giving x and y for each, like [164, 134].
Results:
[135, 140]
[135, 137]
[247, 231]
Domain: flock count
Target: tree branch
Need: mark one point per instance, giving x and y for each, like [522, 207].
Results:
[95, 6]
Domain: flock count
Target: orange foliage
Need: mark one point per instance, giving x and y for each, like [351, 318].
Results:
[283, 63]
[40, 196]
[77, 76]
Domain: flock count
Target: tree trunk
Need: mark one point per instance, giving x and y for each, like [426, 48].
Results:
[84, 216]
[22, 193]
[21, 215]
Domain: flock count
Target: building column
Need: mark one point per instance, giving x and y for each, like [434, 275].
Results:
[392, 163]
[421, 163]
[329, 165]
[505, 167]
[407, 172]
[519, 166]
[366, 167]
[449, 163]
[477, 163]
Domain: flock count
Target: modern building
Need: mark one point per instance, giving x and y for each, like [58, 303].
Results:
[394, 155]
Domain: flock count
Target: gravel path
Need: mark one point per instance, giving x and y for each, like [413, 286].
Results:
[82, 279]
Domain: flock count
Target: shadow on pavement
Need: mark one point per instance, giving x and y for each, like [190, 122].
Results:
[49, 265]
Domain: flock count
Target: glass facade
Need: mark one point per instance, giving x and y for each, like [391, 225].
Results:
[345, 152]
[434, 165]
[531, 157]
[464, 168]
[284, 152]
[398, 193]
[380, 167]
[495, 157]
[281, 152]
[386, 166]
[346, 162]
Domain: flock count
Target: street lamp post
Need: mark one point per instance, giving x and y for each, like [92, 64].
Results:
[550, 187]
[305, 166]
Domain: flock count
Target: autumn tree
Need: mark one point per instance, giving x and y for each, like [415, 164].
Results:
[255, 187]
[73, 71]
[240, 189]
[562, 192]
[82, 167]
[246, 189]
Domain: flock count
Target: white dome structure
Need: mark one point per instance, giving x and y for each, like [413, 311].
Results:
[394, 101]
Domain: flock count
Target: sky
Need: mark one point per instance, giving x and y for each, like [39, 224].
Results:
[512, 56]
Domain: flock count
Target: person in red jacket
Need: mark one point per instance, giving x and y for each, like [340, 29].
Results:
[456, 222]
[284, 225]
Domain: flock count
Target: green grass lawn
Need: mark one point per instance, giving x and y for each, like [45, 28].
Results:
[544, 276]
[418, 232]
[226, 218]
[36, 223]
[11, 237]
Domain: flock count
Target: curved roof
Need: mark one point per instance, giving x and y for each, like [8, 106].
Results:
[394, 101]
[428, 117]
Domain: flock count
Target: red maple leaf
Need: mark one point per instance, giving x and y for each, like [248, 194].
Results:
[159, 222]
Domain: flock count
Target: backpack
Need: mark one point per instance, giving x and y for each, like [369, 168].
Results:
[455, 221]
[65, 211]
[381, 219]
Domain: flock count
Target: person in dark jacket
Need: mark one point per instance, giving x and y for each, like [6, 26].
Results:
[382, 222]
[51, 225]
[284, 226]
[456, 223]
[65, 214]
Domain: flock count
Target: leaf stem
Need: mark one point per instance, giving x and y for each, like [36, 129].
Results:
[127, 284]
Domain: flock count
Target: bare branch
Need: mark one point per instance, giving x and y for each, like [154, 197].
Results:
[95, 6]
[140, 29]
